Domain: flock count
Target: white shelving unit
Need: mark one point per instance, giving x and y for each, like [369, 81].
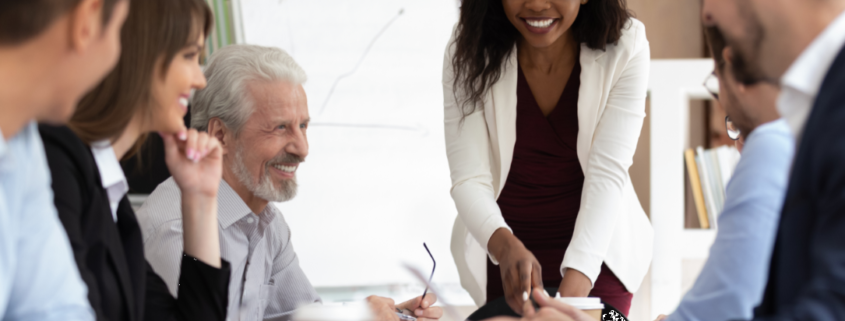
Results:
[673, 83]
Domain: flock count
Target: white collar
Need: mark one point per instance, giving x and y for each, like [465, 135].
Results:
[805, 76]
[111, 174]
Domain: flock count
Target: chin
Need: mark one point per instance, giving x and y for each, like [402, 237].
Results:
[541, 42]
[172, 128]
[59, 115]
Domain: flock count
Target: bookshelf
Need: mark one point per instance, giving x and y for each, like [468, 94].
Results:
[672, 85]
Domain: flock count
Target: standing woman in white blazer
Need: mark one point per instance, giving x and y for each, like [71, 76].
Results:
[544, 103]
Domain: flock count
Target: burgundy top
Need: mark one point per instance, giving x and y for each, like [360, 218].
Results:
[542, 194]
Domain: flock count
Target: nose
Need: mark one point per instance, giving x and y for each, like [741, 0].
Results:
[298, 145]
[706, 13]
[538, 5]
[199, 78]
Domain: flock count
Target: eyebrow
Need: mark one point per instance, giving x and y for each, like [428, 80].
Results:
[287, 122]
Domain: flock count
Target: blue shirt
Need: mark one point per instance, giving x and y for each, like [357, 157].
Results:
[39, 279]
[734, 277]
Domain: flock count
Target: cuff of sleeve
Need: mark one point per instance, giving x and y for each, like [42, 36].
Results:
[207, 285]
[585, 262]
[493, 223]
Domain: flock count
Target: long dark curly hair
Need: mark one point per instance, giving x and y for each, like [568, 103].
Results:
[486, 38]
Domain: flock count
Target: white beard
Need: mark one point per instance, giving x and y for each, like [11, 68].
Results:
[265, 187]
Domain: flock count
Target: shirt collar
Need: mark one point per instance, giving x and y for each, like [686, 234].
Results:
[807, 73]
[3, 148]
[232, 207]
[111, 174]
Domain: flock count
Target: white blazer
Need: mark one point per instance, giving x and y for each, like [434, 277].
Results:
[611, 226]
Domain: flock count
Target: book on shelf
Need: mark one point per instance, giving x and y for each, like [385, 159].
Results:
[709, 172]
[697, 194]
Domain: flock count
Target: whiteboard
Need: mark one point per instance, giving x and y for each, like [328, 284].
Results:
[375, 185]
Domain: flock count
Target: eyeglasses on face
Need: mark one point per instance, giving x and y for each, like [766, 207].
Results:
[711, 83]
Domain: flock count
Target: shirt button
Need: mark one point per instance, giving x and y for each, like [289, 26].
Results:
[250, 220]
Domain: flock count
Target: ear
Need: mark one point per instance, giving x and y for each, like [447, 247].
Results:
[217, 130]
[583, 2]
[728, 72]
[86, 24]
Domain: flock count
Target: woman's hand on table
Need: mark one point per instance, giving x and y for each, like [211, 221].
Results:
[521, 271]
[575, 284]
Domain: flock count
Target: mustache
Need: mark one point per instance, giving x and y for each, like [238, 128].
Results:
[286, 158]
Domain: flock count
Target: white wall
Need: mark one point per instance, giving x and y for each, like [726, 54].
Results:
[376, 183]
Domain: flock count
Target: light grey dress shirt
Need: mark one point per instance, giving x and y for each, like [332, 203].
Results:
[266, 282]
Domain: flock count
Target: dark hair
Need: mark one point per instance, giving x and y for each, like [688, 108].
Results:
[717, 44]
[742, 72]
[155, 30]
[486, 38]
[21, 20]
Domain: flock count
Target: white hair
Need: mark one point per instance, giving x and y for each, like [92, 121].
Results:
[229, 70]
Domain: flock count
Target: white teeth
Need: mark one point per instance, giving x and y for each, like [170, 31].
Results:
[183, 101]
[287, 169]
[540, 23]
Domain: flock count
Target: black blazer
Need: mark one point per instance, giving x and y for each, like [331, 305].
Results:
[807, 272]
[110, 256]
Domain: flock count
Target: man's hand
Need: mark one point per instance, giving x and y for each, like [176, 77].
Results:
[384, 309]
[520, 269]
[551, 309]
[544, 314]
[575, 284]
[423, 310]
[661, 317]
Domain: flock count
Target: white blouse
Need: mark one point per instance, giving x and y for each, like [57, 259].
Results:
[111, 174]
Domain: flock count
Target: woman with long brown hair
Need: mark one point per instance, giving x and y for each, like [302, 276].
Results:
[544, 103]
[162, 41]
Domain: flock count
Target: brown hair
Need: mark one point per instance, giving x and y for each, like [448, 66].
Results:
[21, 20]
[486, 38]
[155, 30]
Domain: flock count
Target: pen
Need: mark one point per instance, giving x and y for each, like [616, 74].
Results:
[405, 317]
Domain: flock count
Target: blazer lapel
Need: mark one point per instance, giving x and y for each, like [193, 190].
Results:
[590, 99]
[502, 120]
[117, 255]
[114, 241]
[133, 247]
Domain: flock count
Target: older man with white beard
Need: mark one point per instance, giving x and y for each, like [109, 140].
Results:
[256, 107]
